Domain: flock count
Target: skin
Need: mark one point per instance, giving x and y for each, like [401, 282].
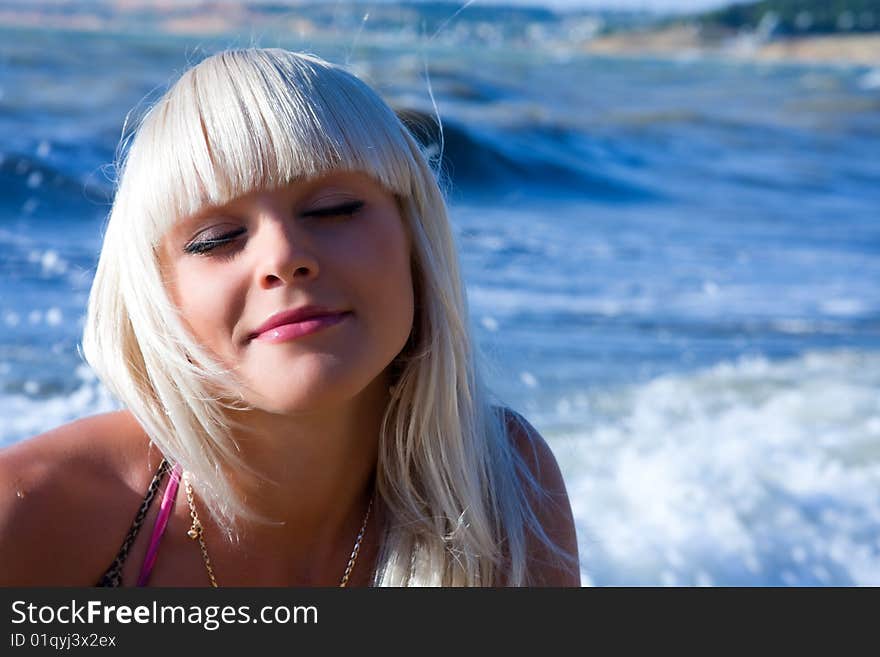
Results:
[317, 399]
[317, 403]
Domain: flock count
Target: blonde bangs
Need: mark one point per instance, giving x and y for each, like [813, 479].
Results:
[236, 124]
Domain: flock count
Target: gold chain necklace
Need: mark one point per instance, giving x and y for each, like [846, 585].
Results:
[196, 533]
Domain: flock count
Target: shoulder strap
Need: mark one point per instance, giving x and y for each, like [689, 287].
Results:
[161, 522]
[113, 575]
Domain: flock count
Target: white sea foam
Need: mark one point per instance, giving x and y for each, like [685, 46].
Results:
[54, 316]
[709, 300]
[50, 261]
[843, 307]
[506, 302]
[747, 473]
[24, 415]
[35, 179]
[870, 80]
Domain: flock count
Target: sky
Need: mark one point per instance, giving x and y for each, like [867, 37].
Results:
[648, 5]
[645, 5]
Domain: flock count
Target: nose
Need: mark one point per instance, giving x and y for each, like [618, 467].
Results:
[285, 254]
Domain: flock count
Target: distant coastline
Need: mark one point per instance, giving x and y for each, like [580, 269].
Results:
[681, 41]
[760, 31]
[799, 31]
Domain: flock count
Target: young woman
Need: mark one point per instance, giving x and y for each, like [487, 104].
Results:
[279, 308]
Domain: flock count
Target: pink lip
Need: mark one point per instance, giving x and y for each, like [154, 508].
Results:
[297, 329]
[293, 315]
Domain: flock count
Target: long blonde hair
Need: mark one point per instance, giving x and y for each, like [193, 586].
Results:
[456, 491]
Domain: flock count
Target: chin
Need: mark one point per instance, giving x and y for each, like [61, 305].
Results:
[294, 395]
[295, 399]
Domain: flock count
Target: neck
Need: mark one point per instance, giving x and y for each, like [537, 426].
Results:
[317, 472]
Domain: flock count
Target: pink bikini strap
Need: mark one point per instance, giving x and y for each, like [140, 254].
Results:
[159, 528]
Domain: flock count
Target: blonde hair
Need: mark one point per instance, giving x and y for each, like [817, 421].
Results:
[456, 490]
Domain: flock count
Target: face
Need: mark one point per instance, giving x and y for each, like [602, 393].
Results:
[338, 242]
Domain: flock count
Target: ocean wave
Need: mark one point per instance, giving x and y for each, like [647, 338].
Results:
[28, 182]
[751, 472]
[652, 310]
[480, 160]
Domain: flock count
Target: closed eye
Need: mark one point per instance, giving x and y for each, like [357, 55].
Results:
[209, 244]
[345, 209]
[203, 246]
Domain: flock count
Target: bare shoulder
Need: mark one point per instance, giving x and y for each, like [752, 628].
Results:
[551, 505]
[65, 496]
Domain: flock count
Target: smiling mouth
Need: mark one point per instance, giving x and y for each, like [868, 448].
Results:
[301, 328]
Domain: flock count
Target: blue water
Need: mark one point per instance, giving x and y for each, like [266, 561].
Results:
[673, 267]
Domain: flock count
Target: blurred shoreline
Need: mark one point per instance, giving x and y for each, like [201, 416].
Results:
[623, 35]
[688, 41]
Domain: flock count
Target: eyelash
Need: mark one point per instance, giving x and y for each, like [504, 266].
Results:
[205, 246]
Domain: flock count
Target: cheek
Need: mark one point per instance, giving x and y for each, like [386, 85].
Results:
[385, 282]
[208, 304]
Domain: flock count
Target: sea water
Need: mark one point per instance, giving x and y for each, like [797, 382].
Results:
[672, 269]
